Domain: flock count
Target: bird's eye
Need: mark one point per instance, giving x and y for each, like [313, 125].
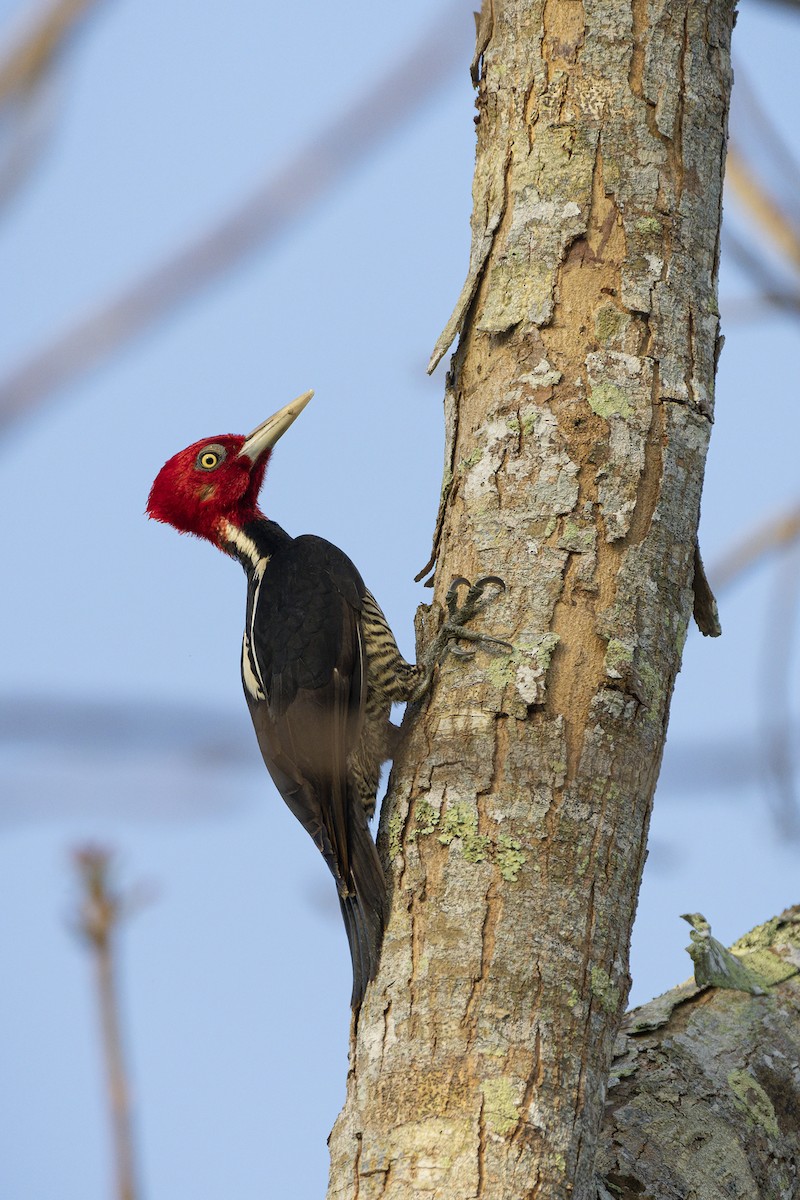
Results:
[210, 458]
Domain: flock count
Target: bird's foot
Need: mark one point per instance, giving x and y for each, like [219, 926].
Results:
[455, 627]
[479, 594]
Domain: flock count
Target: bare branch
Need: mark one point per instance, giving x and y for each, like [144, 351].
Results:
[274, 207]
[748, 309]
[99, 917]
[786, 3]
[703, 1091]
[773, 292]
[44, 35]
[774, 535]
[777, 665]
[765, 145]
[762, 207]
[778, 738]
[28, 103]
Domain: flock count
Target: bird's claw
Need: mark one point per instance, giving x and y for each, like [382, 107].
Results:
[475, 600]
[459, 652]
[455, 626]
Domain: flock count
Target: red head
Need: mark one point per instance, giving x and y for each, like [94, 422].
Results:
[218, 480]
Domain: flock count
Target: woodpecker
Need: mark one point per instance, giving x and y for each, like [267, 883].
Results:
[320, 665]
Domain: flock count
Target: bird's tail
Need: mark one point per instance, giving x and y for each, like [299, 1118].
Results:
[364, 908]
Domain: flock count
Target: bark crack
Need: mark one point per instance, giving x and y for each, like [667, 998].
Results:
[648, 491]
[481, 1147]
[689, 374]
[534, 1077]
[493, 909]
[357, 1166]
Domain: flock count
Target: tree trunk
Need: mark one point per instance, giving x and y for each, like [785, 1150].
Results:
[704, 1098]
[578, 409]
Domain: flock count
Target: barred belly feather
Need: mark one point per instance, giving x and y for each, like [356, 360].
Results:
[389, 679]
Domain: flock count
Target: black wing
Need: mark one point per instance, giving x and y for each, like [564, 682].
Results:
[305, 633]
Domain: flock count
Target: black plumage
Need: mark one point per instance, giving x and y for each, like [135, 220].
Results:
[320, 670]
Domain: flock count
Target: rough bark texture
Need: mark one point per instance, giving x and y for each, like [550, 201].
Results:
[577, 409]
[704, 1099]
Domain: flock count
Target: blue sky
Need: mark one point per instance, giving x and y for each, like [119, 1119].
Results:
[235, 977]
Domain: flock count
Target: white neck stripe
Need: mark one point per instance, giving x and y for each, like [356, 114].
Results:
[242, 542]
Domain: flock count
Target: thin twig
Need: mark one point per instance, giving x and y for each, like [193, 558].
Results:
[773, 293]
[777, 739]
[738, 309]
[756, 127]
[762, 207]
[45, 33]
[776, 534]
[263, 217]
[29, 106]
[98, 921]
[777, 670]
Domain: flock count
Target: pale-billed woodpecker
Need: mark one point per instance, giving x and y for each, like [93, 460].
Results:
[320, 665]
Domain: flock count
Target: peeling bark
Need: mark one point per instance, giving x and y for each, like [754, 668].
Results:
[578, 409]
